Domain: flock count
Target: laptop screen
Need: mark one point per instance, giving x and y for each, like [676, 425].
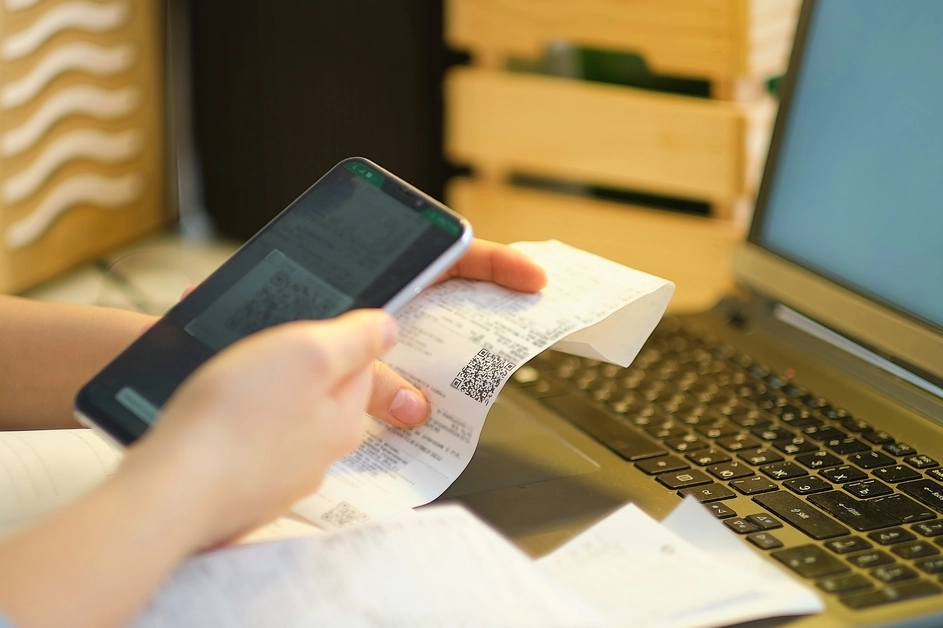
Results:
[857, 191]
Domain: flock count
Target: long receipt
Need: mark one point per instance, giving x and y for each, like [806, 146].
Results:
[459, 344]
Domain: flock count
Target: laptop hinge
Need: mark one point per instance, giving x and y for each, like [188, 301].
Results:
[795, 319]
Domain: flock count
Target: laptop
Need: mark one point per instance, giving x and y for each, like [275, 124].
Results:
[806, 411]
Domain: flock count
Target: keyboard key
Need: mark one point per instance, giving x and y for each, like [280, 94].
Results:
[892, 536]
[857, 426]
[860, 515]
[783, 470]
[894, 573]
[870, 459]
[936, 474]
[891, 593]
[925, 491]
[868, 488]
[683, 479]
[899, 449]
[819, 460]
[795, 445]
[667, 429]
[896, 473]
[904, 508]
[731, 470]
[772, 433]
[848, 545]
[810, 561]
[709, 493]
[720, 510]
[686, 443]
[754, 485]
[834, 414]
[803, 516]
[930, 565]
[807, 485]
[662, 464]
[620, 438]
[842, 474]
[920, 461]
[760, 456]
[932, 528]
[708, 456]
[740, 442]
[740, 526]
[749, 418]
[824, 433]
[764, 521]
[917, 549]
[870, 559]
[845, 584]
[718, 429]
[846, 446]
[878, 438]
[764, 540]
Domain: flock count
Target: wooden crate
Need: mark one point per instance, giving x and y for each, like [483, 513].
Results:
[711, 149]
[729, 42]
[81, 133]
[618, 137]
[693, 251]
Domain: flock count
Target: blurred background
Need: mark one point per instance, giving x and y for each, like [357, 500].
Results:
[141, 141]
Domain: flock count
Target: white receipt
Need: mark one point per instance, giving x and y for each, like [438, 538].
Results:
[459, 343]
[442, 567]
[636, 571]
[775, 592]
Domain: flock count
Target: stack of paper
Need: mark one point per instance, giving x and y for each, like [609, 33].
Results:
[444, 567]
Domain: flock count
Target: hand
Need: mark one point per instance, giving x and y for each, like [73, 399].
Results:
[398, 402]
[257, 426]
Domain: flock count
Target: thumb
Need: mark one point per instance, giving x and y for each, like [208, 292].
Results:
[349, 343]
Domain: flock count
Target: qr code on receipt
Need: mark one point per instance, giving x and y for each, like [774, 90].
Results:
[344, 514]
[482, 376]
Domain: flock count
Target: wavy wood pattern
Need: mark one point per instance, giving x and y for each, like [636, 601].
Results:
[92, 17]
[90, 144]
[81, 164]
[91, 189]
[73, 57]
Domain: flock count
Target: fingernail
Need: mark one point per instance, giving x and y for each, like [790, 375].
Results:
[409, 407]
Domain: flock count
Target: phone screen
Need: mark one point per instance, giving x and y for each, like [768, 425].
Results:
[354, 239]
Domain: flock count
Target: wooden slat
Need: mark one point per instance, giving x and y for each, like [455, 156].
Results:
[600, 134]
[695, 253]
[695, 38]
[85, 231]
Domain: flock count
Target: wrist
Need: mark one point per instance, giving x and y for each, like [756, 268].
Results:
[172, 484]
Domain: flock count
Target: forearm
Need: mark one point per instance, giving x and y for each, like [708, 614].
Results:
[96, 562]
[48, 350]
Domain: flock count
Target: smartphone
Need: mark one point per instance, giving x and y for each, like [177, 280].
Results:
[360, 237]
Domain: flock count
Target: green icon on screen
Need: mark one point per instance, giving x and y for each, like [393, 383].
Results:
[366, 172]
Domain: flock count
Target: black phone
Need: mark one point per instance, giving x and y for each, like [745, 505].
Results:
[360, 237]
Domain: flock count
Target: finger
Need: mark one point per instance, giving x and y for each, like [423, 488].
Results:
[489, 261]
[187, 291]
[351, 398]
[395, 400]
[338, 347]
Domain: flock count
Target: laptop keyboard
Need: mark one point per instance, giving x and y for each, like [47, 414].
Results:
[700, 418]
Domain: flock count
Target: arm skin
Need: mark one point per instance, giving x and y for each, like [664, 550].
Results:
[95, 562]
[245, 437]
[48, 350]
